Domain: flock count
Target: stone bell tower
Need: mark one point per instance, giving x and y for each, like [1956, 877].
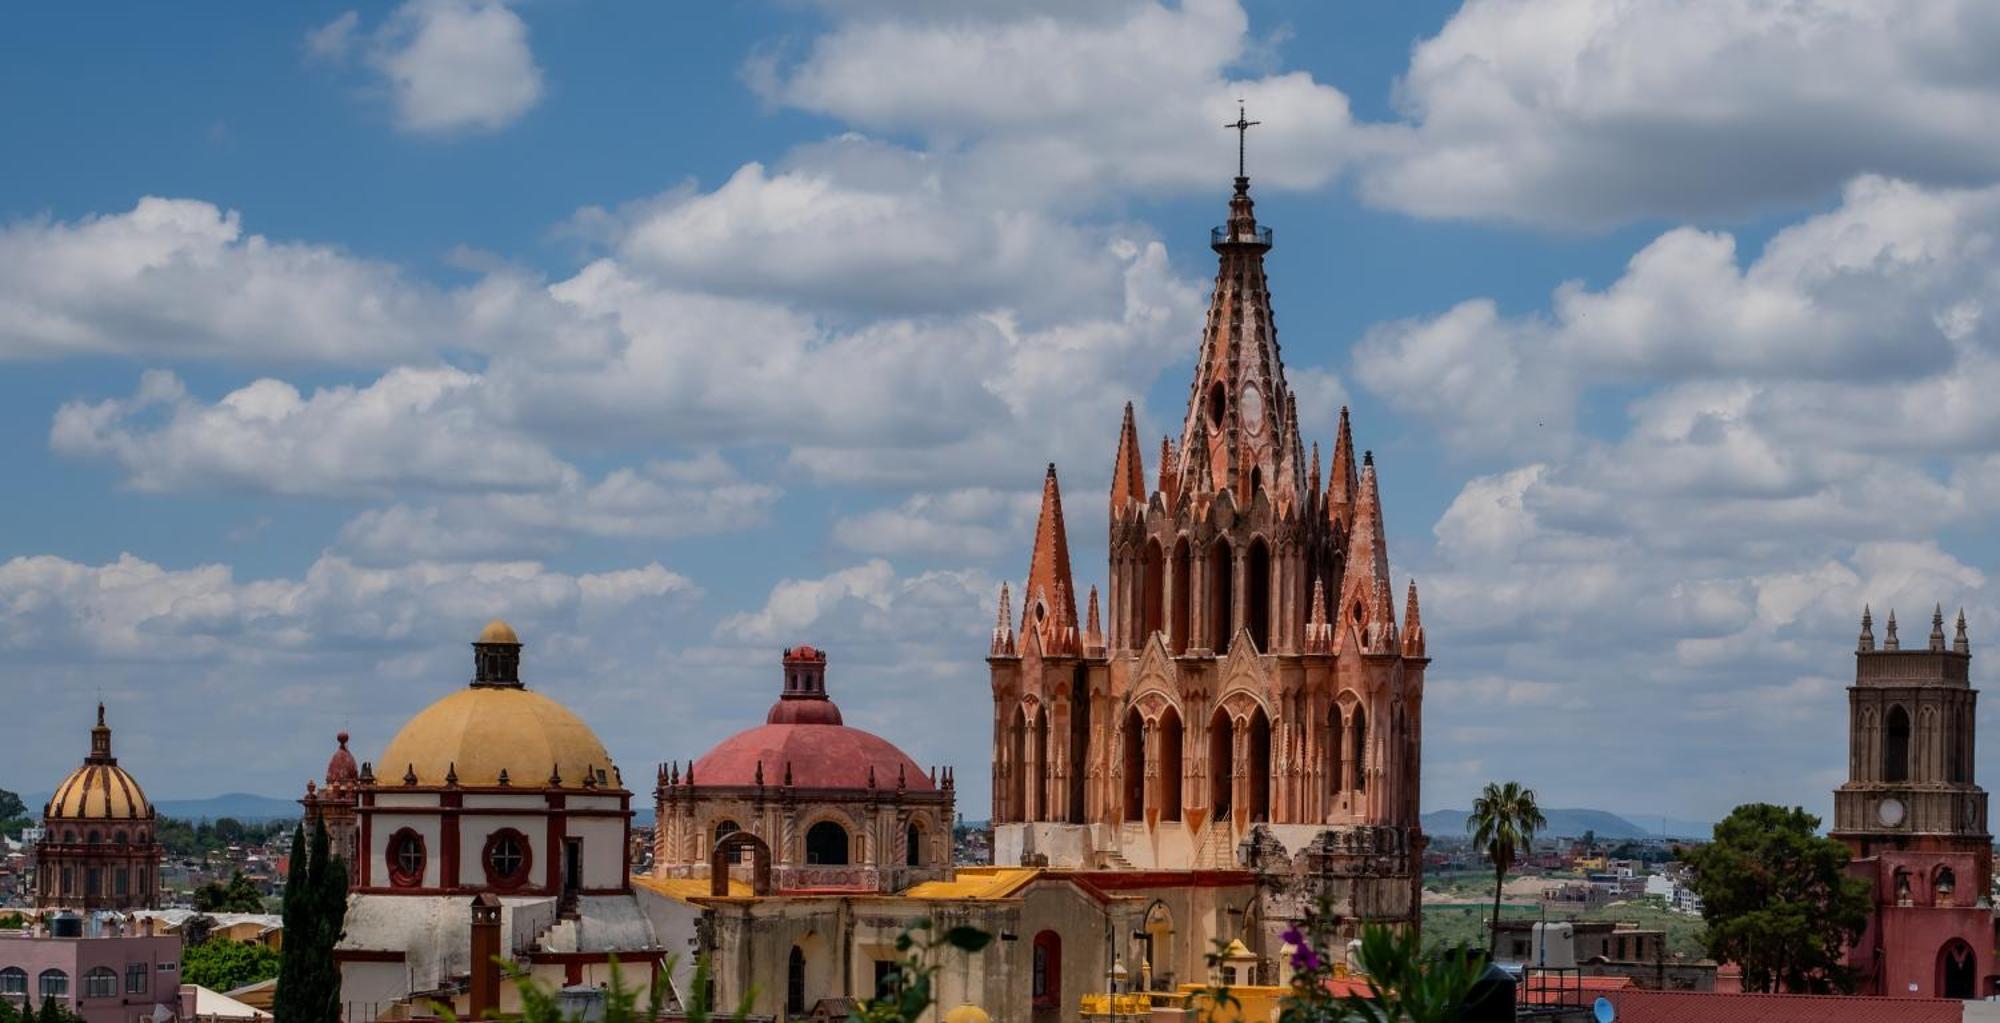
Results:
[1913, 818]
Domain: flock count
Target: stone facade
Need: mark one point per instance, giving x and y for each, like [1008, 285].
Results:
[1248, 685]
[1915, 820]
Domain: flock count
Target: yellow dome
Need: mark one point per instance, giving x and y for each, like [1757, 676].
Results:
[481, 730]
[497, 631]
[967, 1013]
[98, 791]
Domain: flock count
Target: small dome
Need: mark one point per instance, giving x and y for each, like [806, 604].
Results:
[967, 1013]
[98, 791]
[805, 652]
[480, 731]
[341, 766]
[497, 631]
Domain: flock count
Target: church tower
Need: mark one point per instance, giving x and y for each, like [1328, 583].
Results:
[1247, 697]
[1913, 818]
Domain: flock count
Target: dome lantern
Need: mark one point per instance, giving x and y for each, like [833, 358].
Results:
[496, 656]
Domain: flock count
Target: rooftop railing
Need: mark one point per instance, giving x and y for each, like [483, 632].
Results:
[1224, 235]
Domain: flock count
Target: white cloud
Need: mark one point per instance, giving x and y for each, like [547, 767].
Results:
[663, 500]
[973, 524]
[1580, 113]
[1060, 104]
[132, 609]
[411, 429]
[456, 65]
[179, 277]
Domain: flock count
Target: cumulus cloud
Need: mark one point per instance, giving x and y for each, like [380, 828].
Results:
[179, 277]
[1582, 113]
[975, 523]
[1050, 104]
[447, 66]
[660, 500]
[411, 429]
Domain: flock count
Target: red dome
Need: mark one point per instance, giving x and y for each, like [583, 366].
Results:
[341, 766]
[822, 756]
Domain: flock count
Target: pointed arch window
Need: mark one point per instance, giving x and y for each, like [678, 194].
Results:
[1896, 745]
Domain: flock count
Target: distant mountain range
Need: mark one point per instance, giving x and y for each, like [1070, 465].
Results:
[243, 806]
[1573, 822]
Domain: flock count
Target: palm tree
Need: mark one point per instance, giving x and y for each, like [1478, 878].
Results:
[1503, 822]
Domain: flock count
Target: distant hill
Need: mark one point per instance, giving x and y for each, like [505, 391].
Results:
[1573, 822]
[241, 805]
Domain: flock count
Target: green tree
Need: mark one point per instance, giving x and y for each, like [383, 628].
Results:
[11, 807]
[1589, 842]
[1503, 822]
[222, 965]
[315, 907]
[240, 895]
[1777, 899]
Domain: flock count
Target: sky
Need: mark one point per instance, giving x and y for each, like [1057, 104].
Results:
[678, 334]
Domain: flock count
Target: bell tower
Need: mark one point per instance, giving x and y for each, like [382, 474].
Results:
[1914, 820]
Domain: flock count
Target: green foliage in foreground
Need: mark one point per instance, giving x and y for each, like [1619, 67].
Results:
[1778, 900]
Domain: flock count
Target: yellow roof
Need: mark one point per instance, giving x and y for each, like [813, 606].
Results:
[967, 1013]
[1237, 950]
[497, 631]
[479, 731]
[975, 883]
[685, 888]
[98, 791]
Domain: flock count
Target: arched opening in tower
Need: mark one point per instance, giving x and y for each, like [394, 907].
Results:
[1896, 745]
[1335, 749]
[1260, 766]
[1042, 792]
[1221, 595]
[1957, 969]
[1357, 757]
[1135, 766]
[826, 845]
[1955, 730]
[1152, 592]
[1171, 735]
[1257, 594]
[1221, 763]
[1017, 766]
[1183, 585]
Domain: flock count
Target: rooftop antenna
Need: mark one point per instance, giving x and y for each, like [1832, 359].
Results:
[1243, 125]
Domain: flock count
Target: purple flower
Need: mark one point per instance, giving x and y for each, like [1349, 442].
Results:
[1305, 960]
[1292, 937]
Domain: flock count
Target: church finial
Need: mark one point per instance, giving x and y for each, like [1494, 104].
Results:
[1319, 634]
[100, 739]
[1959, 644]
[1937, 628]
[1003, 626]
[1048, 566]
[1093, 631]
[1242, 125]
[1866, 641]
[1889, 641]
[1413, 626]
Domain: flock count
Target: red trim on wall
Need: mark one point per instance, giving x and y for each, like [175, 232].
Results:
[507, 882]
[398, 878]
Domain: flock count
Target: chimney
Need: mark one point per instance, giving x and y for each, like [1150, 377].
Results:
[485, 956]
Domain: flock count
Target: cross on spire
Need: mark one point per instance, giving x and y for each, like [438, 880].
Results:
[1242, 126]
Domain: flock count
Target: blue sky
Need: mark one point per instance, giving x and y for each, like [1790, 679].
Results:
[677, 334]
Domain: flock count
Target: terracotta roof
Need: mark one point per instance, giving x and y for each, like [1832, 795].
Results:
[818, 756]
[1636, 1006]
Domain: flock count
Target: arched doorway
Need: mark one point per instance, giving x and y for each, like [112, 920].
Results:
[1158, 954]
[1045, 976]
[1260, 766]
[1183, 584]
[1896, 745]
[1257, 594]
[1956, 969]
[1221, 595]
[1135, 766]
[1171, 735]
[1152, 593]
[1221, 764]
[723, 830]
[795, 983]
[826, 845]
[913, 845]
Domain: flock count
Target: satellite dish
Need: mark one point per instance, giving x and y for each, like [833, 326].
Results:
[1603, 1010]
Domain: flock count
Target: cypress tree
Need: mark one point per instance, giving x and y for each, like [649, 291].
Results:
[298, 930]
